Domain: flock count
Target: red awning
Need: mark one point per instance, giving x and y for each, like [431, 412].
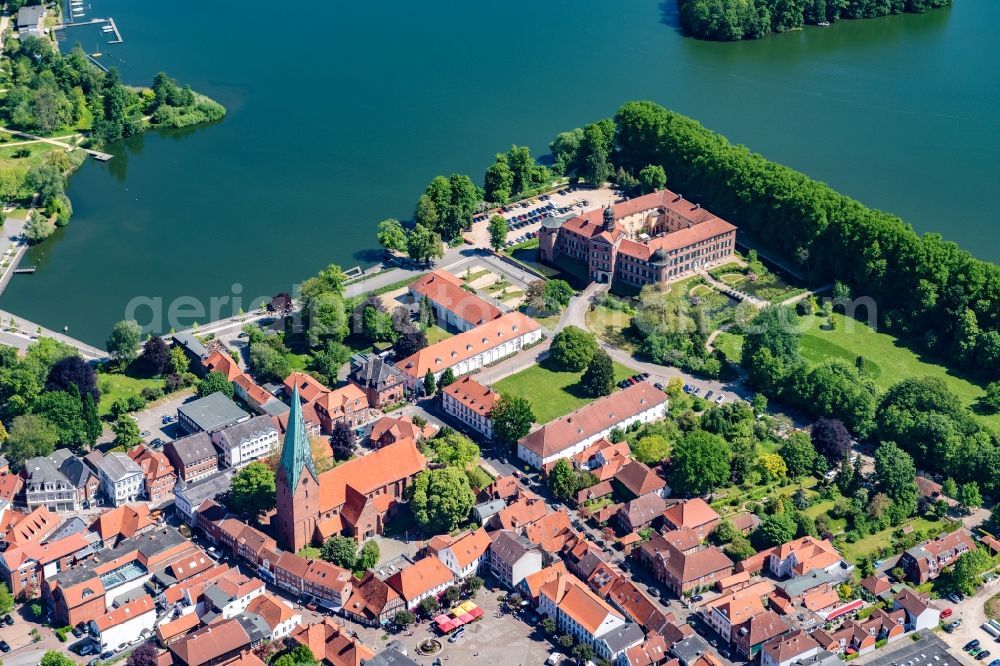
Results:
[845, 609]
[476, 612]
[447, 626]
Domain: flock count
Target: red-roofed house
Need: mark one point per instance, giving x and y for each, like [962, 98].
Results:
[331, 644]
[694, 514]
[118, 627]
[465, 554]
[158, 473]
[471, 403]
[452, 304]
[425, 578]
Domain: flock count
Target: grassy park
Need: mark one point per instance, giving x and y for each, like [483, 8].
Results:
[552, 393]
[118, 386]
[889, 359]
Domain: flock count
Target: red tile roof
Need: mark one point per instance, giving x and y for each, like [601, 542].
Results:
[398, 461]
[452, 351]
[445, 289]
[478, 398]
[122, 614]
[420, 577]
[693, 513]
[602, 414]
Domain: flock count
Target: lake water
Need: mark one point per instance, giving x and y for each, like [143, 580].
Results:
[341, 112]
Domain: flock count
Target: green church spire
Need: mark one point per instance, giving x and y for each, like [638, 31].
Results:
[295, 451]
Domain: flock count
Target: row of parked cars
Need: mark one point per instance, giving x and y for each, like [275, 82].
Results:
[973, 649]
[634, 379]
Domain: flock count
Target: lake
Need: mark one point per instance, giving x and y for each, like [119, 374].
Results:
[339, 116]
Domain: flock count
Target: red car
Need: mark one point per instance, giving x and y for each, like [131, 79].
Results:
[946, 613]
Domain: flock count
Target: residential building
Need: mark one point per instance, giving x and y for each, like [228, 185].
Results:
[569, 435]
[209, 414]
[465, 553]
[638, 480]
[309, 388]
[390, 656]
[471, 350]
[801, 556]
[677, 237]
[348, 404]
[926, 561]
[215, 644]
[877, 587]
[603, 459]
[60, 482]
[352, 498]
[752, 634]
[513, 558]
[641, 512]
[330, 585]
[612, 644]
[921, 613]
[792, 648]
[122, 480]
[230, 594]
[453, 306]
[483, 511]
[193, 457]
[652, 652]
[470, 402]
[125, 522]
[278, 613]
[157, 472]
[331, 644]
[31, 21]
[579, 612]
[381, 381]
[120, 626]
[389, 430]
[244, 388]
[693, 514]
[425, 578]
[681, 562]
[190, 496]
[373, 602]
[25, 565]
[244, 442]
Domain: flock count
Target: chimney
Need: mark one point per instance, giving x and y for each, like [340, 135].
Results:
[697, 206]
[679, 197]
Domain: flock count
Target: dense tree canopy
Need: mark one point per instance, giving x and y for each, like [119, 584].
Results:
[512, 418]
[441, 499]
[728, 20]
[699, 463]
[252, 491]
[572, 349]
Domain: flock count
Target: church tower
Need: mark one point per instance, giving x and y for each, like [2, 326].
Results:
[296, 484]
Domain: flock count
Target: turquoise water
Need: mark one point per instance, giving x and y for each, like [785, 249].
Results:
[341, 112]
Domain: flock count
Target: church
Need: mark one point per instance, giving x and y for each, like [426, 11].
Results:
[657, 237]
[354, 499]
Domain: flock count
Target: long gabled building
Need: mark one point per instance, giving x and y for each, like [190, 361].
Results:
[569, 435]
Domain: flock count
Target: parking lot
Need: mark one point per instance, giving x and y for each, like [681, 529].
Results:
[928, 651]
[525, 217]
[150, 419]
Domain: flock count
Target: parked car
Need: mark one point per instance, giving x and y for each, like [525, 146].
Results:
[455, 636]
[946, 613]
[955, 598]
[982, 655]
[995, 662]
[8, 620]
[971, 645]
[696, 598]
[4, 647]
[653, 591]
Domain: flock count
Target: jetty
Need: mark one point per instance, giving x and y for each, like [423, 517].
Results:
[96, 154]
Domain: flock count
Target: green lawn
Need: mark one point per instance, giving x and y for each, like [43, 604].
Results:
[610, 326]
[309, 552]
[298, 361]
[436, 334]
[114, 387]
[551, 393]
[888, 356]
[861, 548]
[731, 345]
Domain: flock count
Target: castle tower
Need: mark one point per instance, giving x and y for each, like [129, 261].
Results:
[609, 218]
[548, 238]
[296, 484]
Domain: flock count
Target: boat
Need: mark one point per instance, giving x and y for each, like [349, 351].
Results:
[823, 24]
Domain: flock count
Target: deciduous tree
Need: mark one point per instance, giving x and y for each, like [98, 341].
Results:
[340, 550]
[441, 499]
[699, 463]
[391, 235]
[572, 349]
[215, 382]
[123, 343]
[512, 418]
[498, 229]
[252, 491]
[599, 377]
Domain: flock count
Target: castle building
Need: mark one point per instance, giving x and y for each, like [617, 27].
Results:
[653, 238]
[354, 498]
